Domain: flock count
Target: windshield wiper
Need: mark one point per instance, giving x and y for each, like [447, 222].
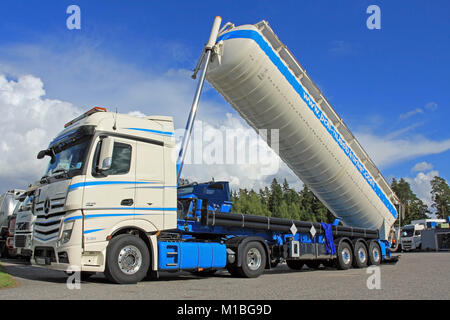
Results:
[44, 179]
[63, 171]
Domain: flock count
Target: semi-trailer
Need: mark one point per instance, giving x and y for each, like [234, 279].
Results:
[110, 200]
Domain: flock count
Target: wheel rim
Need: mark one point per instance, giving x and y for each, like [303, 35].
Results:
[130, 260]
[346, 255]
[362, 255]
[376, 255]
[254, 259]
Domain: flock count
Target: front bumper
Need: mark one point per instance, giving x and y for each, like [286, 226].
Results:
[49, 256]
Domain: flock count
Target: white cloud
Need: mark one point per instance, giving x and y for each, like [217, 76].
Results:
[422, 166]
[28, 123]
[411, 113]
[421, 186]
[385, 152]
[431, 106]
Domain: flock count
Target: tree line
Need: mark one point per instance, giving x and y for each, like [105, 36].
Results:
[281, 201]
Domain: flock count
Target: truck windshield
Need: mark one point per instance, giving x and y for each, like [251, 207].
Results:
[69, 159]
[407, 232]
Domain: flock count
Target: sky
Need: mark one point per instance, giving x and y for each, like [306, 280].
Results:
[390, 85]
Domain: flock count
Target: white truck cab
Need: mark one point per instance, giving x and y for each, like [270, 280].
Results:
[109, 174]
[411, 234]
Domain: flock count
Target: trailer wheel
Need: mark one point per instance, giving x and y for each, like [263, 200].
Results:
[345, 256]
[127, 259]
[360, 257]
[253, 260]
[295, 264]
[374, 253]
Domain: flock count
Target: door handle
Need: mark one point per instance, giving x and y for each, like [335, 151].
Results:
[126, 202]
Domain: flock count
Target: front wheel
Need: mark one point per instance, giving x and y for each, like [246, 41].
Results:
[127, 259]
[253, 259]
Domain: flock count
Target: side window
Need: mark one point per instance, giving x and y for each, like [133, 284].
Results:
[121, 160]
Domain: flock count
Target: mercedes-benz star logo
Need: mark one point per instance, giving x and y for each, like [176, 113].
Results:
[47, 205]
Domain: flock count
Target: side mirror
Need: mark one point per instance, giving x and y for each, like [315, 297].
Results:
[47, 152]
[41, 154]
[106, 153]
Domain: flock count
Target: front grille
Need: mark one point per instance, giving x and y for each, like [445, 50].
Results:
[47, 224]
[22, 226]
[45, 252]
[20, 240]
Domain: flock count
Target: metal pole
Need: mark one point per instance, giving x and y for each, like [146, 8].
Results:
[190, 123]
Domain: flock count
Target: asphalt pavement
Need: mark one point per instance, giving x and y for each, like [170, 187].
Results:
[417, 275]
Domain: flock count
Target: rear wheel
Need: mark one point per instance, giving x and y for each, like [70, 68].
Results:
[295, 264]
[253, 259]
[345, 256]
[360, 257]
[127, 259]
[374, 253]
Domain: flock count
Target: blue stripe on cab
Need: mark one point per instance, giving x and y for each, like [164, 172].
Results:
[164, 133]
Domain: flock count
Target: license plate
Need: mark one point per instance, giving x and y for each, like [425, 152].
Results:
[40, 261]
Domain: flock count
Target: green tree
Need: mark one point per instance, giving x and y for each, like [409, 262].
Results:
[415, 209]
[440, 194]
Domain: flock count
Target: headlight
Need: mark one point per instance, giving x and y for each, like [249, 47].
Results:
[67, 232]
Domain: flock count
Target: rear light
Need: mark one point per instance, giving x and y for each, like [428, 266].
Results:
[84, 115]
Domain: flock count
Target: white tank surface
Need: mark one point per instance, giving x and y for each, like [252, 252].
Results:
[261, 79]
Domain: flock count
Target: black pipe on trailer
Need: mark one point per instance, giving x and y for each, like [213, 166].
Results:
[234, 220]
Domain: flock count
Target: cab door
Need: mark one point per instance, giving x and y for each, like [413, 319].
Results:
[150, 183]
[109, 196]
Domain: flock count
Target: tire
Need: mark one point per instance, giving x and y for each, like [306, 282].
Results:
[344, 256]
[127, 259]
[295, 264]
[313, 264]
[360, 256]
[374, 253]
[253, 257]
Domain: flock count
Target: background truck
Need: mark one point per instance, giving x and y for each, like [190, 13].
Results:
[8, 207]
[411, 235]
[110, 199]
[23, 233]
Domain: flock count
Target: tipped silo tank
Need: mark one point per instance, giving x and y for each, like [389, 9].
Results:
[266, 85]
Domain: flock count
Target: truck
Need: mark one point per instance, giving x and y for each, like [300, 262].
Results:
[24, 224]
[110, 200]
[411, 235]
[9, 203]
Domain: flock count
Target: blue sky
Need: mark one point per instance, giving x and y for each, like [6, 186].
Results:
[390, 86]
